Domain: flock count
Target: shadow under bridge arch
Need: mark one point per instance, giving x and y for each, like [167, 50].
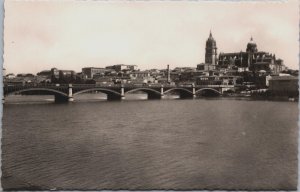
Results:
[59, 95]
[208, 92]
[152, 93]
[182, 92]
[111, 94]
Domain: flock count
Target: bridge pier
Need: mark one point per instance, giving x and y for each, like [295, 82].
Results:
[122, 92]
[224, 89]
[194, 91]
[70, 94]
[162, 95]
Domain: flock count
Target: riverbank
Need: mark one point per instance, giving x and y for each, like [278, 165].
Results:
[40, 99]
[265, 95]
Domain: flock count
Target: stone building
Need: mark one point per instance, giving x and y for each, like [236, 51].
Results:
[91, 72]
[205, 67]
[252, 60]
[284, 86]
[123, 67]
[62, 76]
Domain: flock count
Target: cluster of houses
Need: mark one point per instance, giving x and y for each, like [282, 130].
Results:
[130, 74]
[115, 74]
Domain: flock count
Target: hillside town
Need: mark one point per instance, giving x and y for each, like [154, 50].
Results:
[249, 72]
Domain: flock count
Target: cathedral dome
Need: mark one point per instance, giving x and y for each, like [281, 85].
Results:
[251, 46]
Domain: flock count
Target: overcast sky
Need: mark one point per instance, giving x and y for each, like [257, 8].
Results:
[39, 35]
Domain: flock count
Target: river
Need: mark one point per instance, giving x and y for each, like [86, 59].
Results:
[93, 144]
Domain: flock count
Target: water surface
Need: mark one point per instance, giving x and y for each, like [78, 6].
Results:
[149, 144]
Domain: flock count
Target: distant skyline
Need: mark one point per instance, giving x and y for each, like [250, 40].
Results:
[39, 35]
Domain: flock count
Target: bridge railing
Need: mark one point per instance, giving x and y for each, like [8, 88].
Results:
[120, 85]
[215, 86]
[36, 85]
[94, 85]
[114, 86]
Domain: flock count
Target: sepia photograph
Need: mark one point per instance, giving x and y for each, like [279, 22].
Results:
[150, 95]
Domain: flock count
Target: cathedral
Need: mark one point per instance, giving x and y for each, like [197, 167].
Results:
[250, 60]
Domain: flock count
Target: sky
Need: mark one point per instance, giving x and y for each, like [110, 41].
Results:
[39, 35]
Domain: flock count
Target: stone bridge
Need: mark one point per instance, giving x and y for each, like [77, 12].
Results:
[66, 92]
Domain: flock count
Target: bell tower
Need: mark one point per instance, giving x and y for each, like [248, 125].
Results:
[211, 50]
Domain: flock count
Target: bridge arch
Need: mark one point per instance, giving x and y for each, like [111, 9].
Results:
[152, 93]
[179, 89]
[46, 90]
[208, 89]
[146, 90]
[183, 92]
[111, 94]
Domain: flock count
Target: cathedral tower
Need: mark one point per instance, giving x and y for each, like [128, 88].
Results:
[211, 50]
